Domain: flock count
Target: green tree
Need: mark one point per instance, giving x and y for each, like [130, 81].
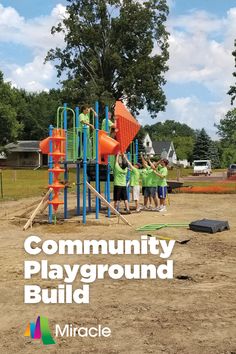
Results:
[38, 112]
[228, 156]
[227, 128]
[181, 134]
[184, 147]
[10, 127]
[201, 149]
[232, 90]
[169, 130]
[114, 50]
[214, 155]
[227, 132]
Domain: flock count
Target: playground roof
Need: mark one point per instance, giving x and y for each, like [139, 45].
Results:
[23, 146]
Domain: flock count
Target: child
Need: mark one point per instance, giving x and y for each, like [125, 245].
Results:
[111, 124]
[151, 182]
[84, 118]
[144, 173]
[162, 173]
[120, 192]
[134, 182]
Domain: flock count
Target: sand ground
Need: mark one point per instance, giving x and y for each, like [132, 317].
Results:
[192, 316]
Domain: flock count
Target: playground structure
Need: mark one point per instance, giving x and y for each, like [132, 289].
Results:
[69, 143]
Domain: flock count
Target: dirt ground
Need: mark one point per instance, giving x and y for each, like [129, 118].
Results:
[192, 316]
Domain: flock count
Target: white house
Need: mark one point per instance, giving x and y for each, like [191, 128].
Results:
[164, 149]
[147, 144]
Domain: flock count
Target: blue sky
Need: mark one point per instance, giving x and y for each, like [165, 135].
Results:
[202, 34]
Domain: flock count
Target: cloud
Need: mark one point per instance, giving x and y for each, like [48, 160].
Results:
[35, 76]
[192, 111]
[33, 33]
[200, 50]
[195, 113]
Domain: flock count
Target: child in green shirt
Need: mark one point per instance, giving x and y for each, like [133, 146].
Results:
[120, 191]
[161, 172]
[134, 182]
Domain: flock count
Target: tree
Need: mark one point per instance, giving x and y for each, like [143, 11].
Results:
[227, 132]
[228, 156]
[232, 90]
[10, 127]
[38, 113]
[201, 149]
[182, 136]
[214, 155]
[184, 147]
[227, 128]
[169, 130]
[114, 50]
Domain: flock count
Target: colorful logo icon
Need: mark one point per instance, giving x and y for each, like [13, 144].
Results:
[40, 330]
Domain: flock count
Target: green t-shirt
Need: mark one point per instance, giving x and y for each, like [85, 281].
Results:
[143, 174]
[120, 175]
[134, 177]
[151, 180]
[110, 123]
[84, 118]
[161, 182]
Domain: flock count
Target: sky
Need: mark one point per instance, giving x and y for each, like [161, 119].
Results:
[201, 64]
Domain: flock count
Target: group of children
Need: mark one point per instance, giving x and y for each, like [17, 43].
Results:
[152, 176]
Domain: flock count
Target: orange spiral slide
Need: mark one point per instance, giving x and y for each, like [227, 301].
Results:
[58, 154]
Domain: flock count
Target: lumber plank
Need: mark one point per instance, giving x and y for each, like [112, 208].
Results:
[93, 190]
[35, 212]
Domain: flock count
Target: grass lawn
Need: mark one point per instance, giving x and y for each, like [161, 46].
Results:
[22, 183]
[25, 183]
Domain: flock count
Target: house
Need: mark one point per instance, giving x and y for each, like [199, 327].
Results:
[24, 154]
[147, 144]
[3, 159]
[164, 149]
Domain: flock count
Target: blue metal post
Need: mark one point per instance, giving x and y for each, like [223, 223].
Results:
[85, 128]
[50, 176]
[128, 179]
[89, 198]
[136, 150]
[77, 164]
[65, 164]
[78, 187]
[108, 183]
[97, 164]
[105, 191]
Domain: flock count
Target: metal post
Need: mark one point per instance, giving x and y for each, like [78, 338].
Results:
[108, 183]
[78, 163]
[50, 176]
[128, 179]
[89, 198]
[78, 187]
[1, 181]
[77, 122]
[97, 163]
[136, 150]
[65, 163]
[85, 128]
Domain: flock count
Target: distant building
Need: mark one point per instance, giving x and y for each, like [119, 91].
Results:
[2, 158]
[164, 149]
[24, 154]
[147, 144]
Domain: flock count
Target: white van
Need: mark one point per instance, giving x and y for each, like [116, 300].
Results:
[202, 167]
